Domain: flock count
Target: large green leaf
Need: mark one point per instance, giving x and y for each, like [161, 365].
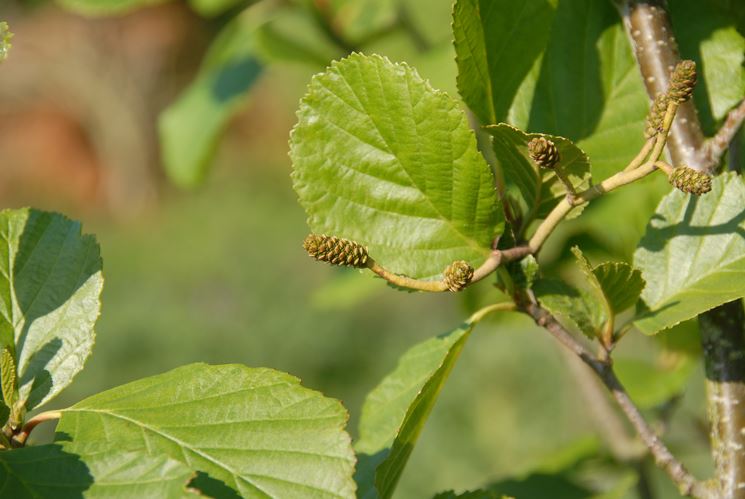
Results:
[693, 254]
[50, 285]
[394, 413]
[707, 33]
[533, 191]
[191, 127]
[496, 44]
[107, 7]
[256, 430]
[53, 472]
[587, 87]
[383, 159]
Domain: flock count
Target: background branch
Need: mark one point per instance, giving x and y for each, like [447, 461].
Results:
[715, 147]
[686, 483]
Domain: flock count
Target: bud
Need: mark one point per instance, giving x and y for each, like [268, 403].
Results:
[689, 180]
[543, 152]
[682, 81]
[5, 36]
[457, 275]
[8, 376]
[335, 250]
[656, 115]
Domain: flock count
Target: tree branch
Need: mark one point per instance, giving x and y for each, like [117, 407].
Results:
[715, 147]
[651, 34]
[687, 484]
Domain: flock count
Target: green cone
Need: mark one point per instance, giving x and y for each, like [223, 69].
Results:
[682, 81]
[656, 115]
[689, 180]
[335, 250]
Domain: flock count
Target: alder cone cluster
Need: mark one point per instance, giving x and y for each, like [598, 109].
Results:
[683, 81]
[336, 250]
[689, 180]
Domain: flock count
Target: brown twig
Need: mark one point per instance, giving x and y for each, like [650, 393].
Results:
[715, 147]
[687, 484]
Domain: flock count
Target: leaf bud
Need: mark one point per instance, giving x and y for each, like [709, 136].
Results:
[457, 275]
[335, 250]
[682, 81]
[8, 376]
[689, 180]
[543, 152]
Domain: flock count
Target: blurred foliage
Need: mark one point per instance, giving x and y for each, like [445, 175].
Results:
[199, 279]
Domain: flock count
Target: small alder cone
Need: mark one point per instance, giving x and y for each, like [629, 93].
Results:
[335, 250]
[458, 275]
[689, 180]
[656, 115]
[543, 152]
[682, 81]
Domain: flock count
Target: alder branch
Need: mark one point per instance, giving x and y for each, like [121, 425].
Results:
[715, 147]
[686, 483]
[651, 34]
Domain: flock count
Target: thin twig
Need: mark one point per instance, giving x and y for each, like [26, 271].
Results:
[715, 147]
[687, 483]
[19, 440]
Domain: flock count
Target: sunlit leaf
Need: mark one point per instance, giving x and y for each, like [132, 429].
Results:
[383, 159]
[395, 412]
[256, 430]
[50, 287]
[693, 254]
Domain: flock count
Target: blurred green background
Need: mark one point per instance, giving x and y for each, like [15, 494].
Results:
[218, 274]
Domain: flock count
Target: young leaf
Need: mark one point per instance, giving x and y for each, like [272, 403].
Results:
[50, 287]
[49, 471]
[394, 413]
[496, 44]
[578, 310]
[190, 128]
[693, 254]
[621, 284]
[533, 191]
[383, 159]
[256, 430]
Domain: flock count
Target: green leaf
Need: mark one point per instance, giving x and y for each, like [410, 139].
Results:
[50, 287]
[533, 191]
[394, 413]
[212, 8]
[577, 310]
[587, 87]
[621, 284]
[708, 34]
[51, 471]
[383, 159]
[190, 128]
[292, 35]
[496, 43]
[256, 430]
[106, 7]
[693, 254]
